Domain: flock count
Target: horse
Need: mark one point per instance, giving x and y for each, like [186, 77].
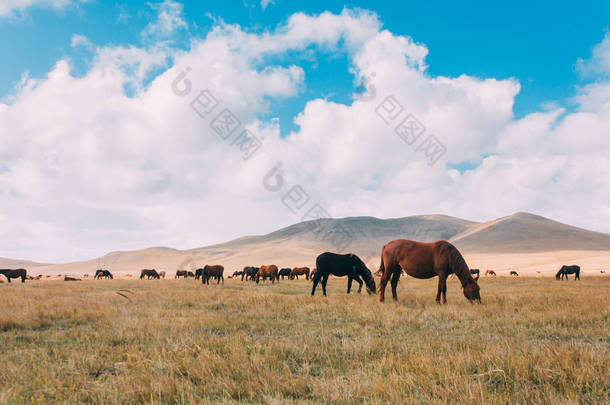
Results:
[236, 273]
[490, 273]
[68, 278]
[198, 274]
[565, 270]
[14, 273]
[215, 271]
[149, 274]
[299, 271]
[249, 272]
[426, 260]
[99, 274]
[162, 274]
[514, 273]
[181, 273]
[270, 271]
[284, 272]
[348, 265]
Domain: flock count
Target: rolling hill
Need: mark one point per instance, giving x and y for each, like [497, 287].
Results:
[530, 241]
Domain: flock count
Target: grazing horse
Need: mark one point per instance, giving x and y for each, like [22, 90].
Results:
[514, 273]
[299, 271]
[270, 271]
[215, 271]
[490, 273]
[181, 273]
[162, 274]
[99, 274]
[237, 273]
[426, 260]
[565, 270]
[284, 272]
[249, 273]
[198, 274]
[68, 278]
[149, 274]
[17, 273]
[348, 265]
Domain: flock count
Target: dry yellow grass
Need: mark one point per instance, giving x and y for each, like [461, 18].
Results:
[175, 341]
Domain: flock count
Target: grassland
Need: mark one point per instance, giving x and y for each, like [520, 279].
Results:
[175, 341]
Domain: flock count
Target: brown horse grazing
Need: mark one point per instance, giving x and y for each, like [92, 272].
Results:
[270, 271]
[18, 273]
[215, 271]
[162, 274]
[299, 271]
[180, 273]
[149, 274]
[426, 260]
[490, 273]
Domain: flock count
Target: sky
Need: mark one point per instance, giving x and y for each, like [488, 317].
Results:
[112, 134]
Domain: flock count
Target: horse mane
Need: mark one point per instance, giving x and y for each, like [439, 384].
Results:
[458, 265]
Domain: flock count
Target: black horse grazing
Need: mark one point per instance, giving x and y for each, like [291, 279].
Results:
[237, 273]
[99, 274]
[249, 272]
[284, 272]
[10, 273]
[514, 273]
[348, 265]
[198, 274]
[565, 270]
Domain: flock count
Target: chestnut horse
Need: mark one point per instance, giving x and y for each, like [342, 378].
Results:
[18, 273]
[426, 260]
[490, 273]
[270, 271]
[299, 271]
[212, 271]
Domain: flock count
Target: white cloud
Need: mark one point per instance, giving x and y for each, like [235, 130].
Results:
[10, 7]
[169, 20]
[599, 63]
[265, 3]
[90, 167]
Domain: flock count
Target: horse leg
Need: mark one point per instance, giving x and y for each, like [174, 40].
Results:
[349, 284]
[324, 281]
[384, 282]
[357, 278]
[316, 280]
[442, 288]
[395, 278]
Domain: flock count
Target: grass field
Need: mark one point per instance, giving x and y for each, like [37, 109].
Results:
[532, 340]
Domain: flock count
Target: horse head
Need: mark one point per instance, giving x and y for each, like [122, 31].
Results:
[472, 291]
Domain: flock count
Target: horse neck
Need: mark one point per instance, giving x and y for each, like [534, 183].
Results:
[463, 274]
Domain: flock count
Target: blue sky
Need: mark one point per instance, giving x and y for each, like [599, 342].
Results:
[535, 42]
[98, 153]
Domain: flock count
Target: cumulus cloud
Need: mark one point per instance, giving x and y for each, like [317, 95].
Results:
[10, 7]
[89, 165]
[599, 63]
[169, 20]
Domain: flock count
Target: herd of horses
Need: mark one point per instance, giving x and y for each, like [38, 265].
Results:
[416, 259]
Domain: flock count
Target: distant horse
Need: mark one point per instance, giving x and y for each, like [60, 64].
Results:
[99, 274]
[235, 274]
[181, 273]
[16, 273]
[514, 273]
[149, 274]
[426, 260]
[198, 274]
[285, 272]
[68, 278]
[268, 272]
[348, 265]
[490, 273]
[565, 270]
[249, 273]
[162, 274]
[215, 271]
[300, 271]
